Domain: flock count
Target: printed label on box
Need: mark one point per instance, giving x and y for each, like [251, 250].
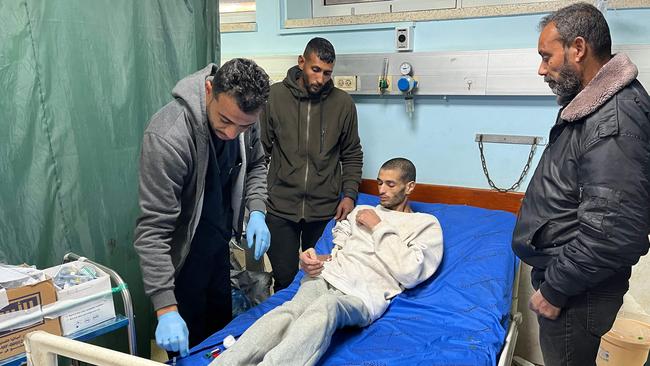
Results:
[24, 300]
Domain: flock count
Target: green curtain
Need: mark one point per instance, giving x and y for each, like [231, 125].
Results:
[79, 81]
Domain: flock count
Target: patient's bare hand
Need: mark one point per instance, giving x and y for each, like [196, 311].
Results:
[311, 263]
[368, 218]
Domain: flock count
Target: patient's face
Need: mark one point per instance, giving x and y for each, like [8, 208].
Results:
[392, 189]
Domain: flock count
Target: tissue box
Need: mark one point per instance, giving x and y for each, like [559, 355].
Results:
[88, 314]
[22, 299]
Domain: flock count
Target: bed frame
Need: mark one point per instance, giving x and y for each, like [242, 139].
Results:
[485, 198]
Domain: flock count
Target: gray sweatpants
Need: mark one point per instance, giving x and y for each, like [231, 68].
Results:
[299, 331]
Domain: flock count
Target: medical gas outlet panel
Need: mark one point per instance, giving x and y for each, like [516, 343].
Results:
[407, 84]
[483, 72]
[411, 74]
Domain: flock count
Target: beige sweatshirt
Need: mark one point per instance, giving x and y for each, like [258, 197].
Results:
[403, 250]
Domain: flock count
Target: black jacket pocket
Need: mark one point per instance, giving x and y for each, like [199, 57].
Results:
[598, 210]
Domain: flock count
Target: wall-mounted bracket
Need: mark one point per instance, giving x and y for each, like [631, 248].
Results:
[510, 139]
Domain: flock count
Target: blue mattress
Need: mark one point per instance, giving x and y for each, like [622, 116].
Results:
[459, 316]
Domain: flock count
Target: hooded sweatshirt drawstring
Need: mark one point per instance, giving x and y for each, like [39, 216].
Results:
[299, 126]
[322, 130]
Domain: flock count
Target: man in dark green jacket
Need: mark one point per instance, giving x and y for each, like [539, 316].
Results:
[309, 133]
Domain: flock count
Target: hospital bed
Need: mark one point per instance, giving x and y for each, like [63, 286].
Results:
[465, 314]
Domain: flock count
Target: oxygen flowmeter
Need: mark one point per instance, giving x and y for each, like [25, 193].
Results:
[406, 85]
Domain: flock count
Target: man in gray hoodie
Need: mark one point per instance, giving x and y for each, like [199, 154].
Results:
[202, 164]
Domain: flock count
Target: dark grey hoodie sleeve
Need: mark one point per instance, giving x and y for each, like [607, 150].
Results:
[162, 171]
[267, 132]
[256, 190]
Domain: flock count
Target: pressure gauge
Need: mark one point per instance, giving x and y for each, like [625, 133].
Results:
[405, 68]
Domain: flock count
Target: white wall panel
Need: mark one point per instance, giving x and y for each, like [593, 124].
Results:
[514, 72]
[494, 72]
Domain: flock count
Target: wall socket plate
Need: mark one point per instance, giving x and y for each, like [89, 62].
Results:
[404, 38]
[347, 83]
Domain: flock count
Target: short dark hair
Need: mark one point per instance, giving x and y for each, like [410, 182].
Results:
[403, 165]
[323, 49]
[582, 20]
[245, 81]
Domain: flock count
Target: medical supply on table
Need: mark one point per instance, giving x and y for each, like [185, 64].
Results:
[214, 353]
[229, 341]
[71, 275]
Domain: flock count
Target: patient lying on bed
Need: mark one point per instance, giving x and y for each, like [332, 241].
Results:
[378, 252]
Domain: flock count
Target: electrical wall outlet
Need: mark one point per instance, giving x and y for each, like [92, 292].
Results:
[347, 83]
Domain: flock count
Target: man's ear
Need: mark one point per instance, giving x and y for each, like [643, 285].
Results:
[301, 62]
[208, 88]
[410, 186]
[579, 48]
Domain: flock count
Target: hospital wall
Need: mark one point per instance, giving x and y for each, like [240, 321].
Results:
[439, 138]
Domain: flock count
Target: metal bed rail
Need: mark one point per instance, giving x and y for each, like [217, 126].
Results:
[508, 350]
[42, 349]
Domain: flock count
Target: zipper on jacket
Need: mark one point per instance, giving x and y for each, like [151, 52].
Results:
[581, 188]
[322, 129]
[304, 196]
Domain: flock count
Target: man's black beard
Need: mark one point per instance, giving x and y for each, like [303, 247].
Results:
[308, 87]
[567, 86]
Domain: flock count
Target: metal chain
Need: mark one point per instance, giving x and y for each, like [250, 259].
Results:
[521, 177]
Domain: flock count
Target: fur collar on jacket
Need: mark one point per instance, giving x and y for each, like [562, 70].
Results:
[615, 75]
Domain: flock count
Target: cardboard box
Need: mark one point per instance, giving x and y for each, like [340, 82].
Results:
[88, 314]
[22, 299]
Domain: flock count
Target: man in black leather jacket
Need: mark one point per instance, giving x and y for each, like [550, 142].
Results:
[585, 219]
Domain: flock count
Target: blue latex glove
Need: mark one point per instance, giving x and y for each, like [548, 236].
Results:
[257, 232]
[172, 334]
